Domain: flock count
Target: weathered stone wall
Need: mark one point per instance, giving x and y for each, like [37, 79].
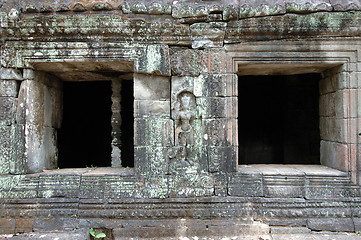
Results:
[184, 58]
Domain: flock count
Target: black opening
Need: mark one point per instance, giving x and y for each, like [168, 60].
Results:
[127, 127]
[84, 139]
[278, 119]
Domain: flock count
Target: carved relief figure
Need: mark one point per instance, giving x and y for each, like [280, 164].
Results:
[184, 115]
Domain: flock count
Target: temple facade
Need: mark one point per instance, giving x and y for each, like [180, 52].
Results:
[180, 118]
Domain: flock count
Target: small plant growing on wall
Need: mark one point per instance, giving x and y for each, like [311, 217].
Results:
[96, 236]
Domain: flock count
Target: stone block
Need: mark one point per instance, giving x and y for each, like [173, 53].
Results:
[245, 185]
[331, 224]
[334, 155]
[149, 109]
[31, 103]
[28, 74]
[7, 225]
[220, 132]
[11, 74]
[189, 62]
[41, 151]
[284, 186]
[327, 105]
[324, 187]
[306, 6]
[7, 110]
[24, 225]
[205, 35]
[212, 85]
[185, 62]
[218, 107]
[220, 184]
[222, 159]
[57, 186]
[6, 149]
[190, 185]
[345, 5]
[19, 187]
[153, 132]
[124, 187]
[156, 187]
[8, 88]
[335, 130]
[346, 103]
[54, 223]
[148, 87]
[152, 160]
[357, 223]
[155, 60]
[18, 163]
[54, 101]
[260, 8]
[141, 165]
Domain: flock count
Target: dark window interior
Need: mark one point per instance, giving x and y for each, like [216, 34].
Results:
[127, 128]
[84, 139]
[278, 119]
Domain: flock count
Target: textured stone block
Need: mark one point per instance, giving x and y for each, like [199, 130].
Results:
[224, 159]
[218, 107]
[335, 130]
[261, 8]
[153, 132]
[327, 105]
[245, 184]
[185, 62]
[334, 155]
[18, 163]
[345, 5]
[148, 87]
[286, 186]
[306, 6]
[331, 224]
[52, 223]
[220, 132]
[52, 186]
[7, 110]
[41, 150]
[220, 184]
[24, 225]
[11, 74]
[190, 185]
[205, 35]
[149, 109]
[6, 149]
[8, 88]
[323, 187]
[155, 60]
[7, 225]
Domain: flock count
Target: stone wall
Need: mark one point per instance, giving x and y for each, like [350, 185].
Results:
[185, 59]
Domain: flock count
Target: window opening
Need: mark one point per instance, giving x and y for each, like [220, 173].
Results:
[127, 126]
[278, 120]
[84, 139]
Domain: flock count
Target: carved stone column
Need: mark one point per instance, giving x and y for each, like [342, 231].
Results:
[116, 123]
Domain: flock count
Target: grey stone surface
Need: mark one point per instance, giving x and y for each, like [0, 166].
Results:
[185, 58]
[11, 74]
[8, 88]
[335, 224]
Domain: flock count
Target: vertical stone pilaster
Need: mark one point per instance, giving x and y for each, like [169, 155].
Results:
[39, 115]
[153, 130]
[8, 128]
[116, 123]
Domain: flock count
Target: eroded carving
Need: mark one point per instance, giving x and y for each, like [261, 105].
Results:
[184, 135]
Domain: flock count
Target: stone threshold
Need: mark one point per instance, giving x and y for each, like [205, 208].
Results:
[290, 170]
